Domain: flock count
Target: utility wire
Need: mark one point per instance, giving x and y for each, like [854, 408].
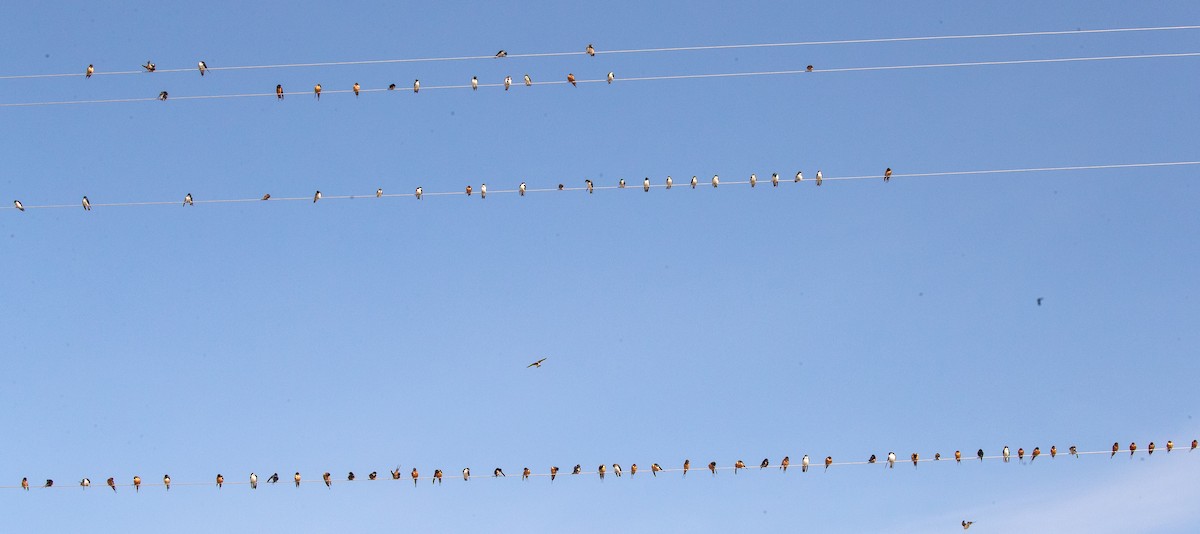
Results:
[763, 181]
[698, 469]
[625, 51]
[324, 92]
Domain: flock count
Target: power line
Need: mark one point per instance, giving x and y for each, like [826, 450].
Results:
[631, 79]
[764, 181]
[646, 469]
[624, 51]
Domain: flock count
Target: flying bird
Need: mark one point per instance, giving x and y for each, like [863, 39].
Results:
[418, 192]
[654, 469]
[537, 363]
[571, 78]
[17, 204]
[502, 53]
[356, 88]
[525, 474]
[167, 480]
[712, 467]
[891, 460]
[764, 463]
[253, 481]
[328, 479]
[417, 86]
[507, 82]
[774, 179]
[1005, 453]
[804, 464]
[474, 83]
[646, 184]
[468, 190]
[553, 472]
[482, 190]
[497, 472]
[591, 50]
[437, 476]
[162, 95]
[887, 174]
[818, 177]
[715, 180]
[828, 462]
[694, 182]
[1036, 452]
[611, 77]
[203, 67]
[739, 465]
[317, 197]
[220, 480]
[274, 478]
[296, 478]
[187, 200]
[687, 464]
[784, 464]
[278, 91]
[266, 196]
[958, 456]
[528, 82]
[522, 189]
[466, 473]
[90, 70]
[967, 524]
[753, 180]
[601, 471]
[137, 483]
[148, 66]
[379, 192]
[617, 469]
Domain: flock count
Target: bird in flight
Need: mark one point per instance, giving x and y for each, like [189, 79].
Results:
[149, 66]
[571, 78]
[967, 524]
[591, 50]
[502, 53]
[90, 70]
[17, 204]
[537, 363]
[1039, 301]
[203, 67]
[279, 91]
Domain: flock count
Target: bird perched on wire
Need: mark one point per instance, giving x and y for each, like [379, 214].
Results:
[808, 68]
[687, 464]
[474, 83]
[266, 197]
[203, 67]
[1005, 453]
[818, 177]
[274, 478]
[396, 473]
[350, 476]
[90, 71]
[915, 458]
[328, 479]
[571, 78]
[253, 481]
[828, 462]
[1132, 448]
[1036, 452]
[149, 66]
[871, 460]
[507, 82]
[162, 95]
[521, 189]
[528, 81]
[577, 469]
[417, 86]
[316, 196]
[753, 180]
[716, 180]
[979, 454]
[611, 77]
[738, 465]
[670, 182]
[497, 472]
[621, 183]
[17, 204]
[278, 91]
[1053, 451]
[632, 470]
[391, 87]
[187, 200]
[373, 475]
[317, 91]
[502, 53]
[356, 88]
[1193, 446]
[589, 185]
[296, 478]
[646, 184]
[891, 462]
[466, 472]
[654, 469]
[49, 483]
[887, 174]
[1150, 449]
[784, 464]
[415, 476]
[560, 187]
[418, 192]
[591, 50]
[1170, 445]
[137, 483]
[1021, 454]
[617, 469]
[958, 456]
[804, 464]
[601, 471]
[774, 179]
[799, 177]
[482, 190]
[553, 472]
[25, 483]
[469, 190]
[437, 476]
[765, 462]
[712, 467]
[167, 481]
[1116, 447]
[525, 474]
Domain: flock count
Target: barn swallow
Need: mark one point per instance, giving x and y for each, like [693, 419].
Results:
[466, 473]
[591, 50]
[560, 187]
[497, 472]
[482, 190]
[891, 460]
[571, 78]
[137, 483]
[537, 363]
[753, 180]
[49, 483]
[25, 483]
[804, 464]
[617, 469]
[693, 182]
[391, 87]
[162, 95]
[17, 204]
[967, 524]
[669, 182]
[379, 192]
[958, 456]
[715, 180]
[417, 86]
[278, 91]
[266, 196]
[356, 88]
[979, 454]
[738, 465]
[601, 471]
[502, 53]
[187, 200]
[253, 481]
[764, 463]
[296, 478]
[646, 184]
[1150, 449]
[317, 91]
[167, 481]
[373, 475]
[937, 456]
[437, 476]
[1036, 452]
[1053, 451]
[784, 464]
[553, 472]
[808, 68]
[871, 460]
[1193, 446]
[415, 476]
[316, 197]
[274, 478]
[396, 473]
[1005, 453]
[1132, 448]
[654, 469]
[1073, 451]
[632, 470]
[621, 183]
[418, 192]
[1170, 445]
[521, 189]
[687, 464]
[577, 469]
[1020, 454]
[203, 67]
[220, 480]
[525, 474]
[507, 82]
[828, 462]
[818, 177]
[774, 179]
[712, 467]
[149, 66]
[611, 77]
[528, 81]
[589, 185]
[915, 458]
[468, 190]
[327, 478]
[474, 83]
[799, 177]
[90, 70]
[887, 174]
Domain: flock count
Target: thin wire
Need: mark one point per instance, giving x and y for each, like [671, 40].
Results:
[683, 183]
[624, 51]
[635, 79]
[407, 477]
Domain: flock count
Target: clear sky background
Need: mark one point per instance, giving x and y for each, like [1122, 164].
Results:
[854, 319]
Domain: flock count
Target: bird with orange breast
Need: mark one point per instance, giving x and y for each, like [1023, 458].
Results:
[415, 476]
[571, 79]
[829, 461]
[712, 467]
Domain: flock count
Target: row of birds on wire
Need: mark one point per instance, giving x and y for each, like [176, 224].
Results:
[589, 186]
[889, 461]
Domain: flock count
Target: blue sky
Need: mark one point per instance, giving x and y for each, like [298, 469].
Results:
[741, 323]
